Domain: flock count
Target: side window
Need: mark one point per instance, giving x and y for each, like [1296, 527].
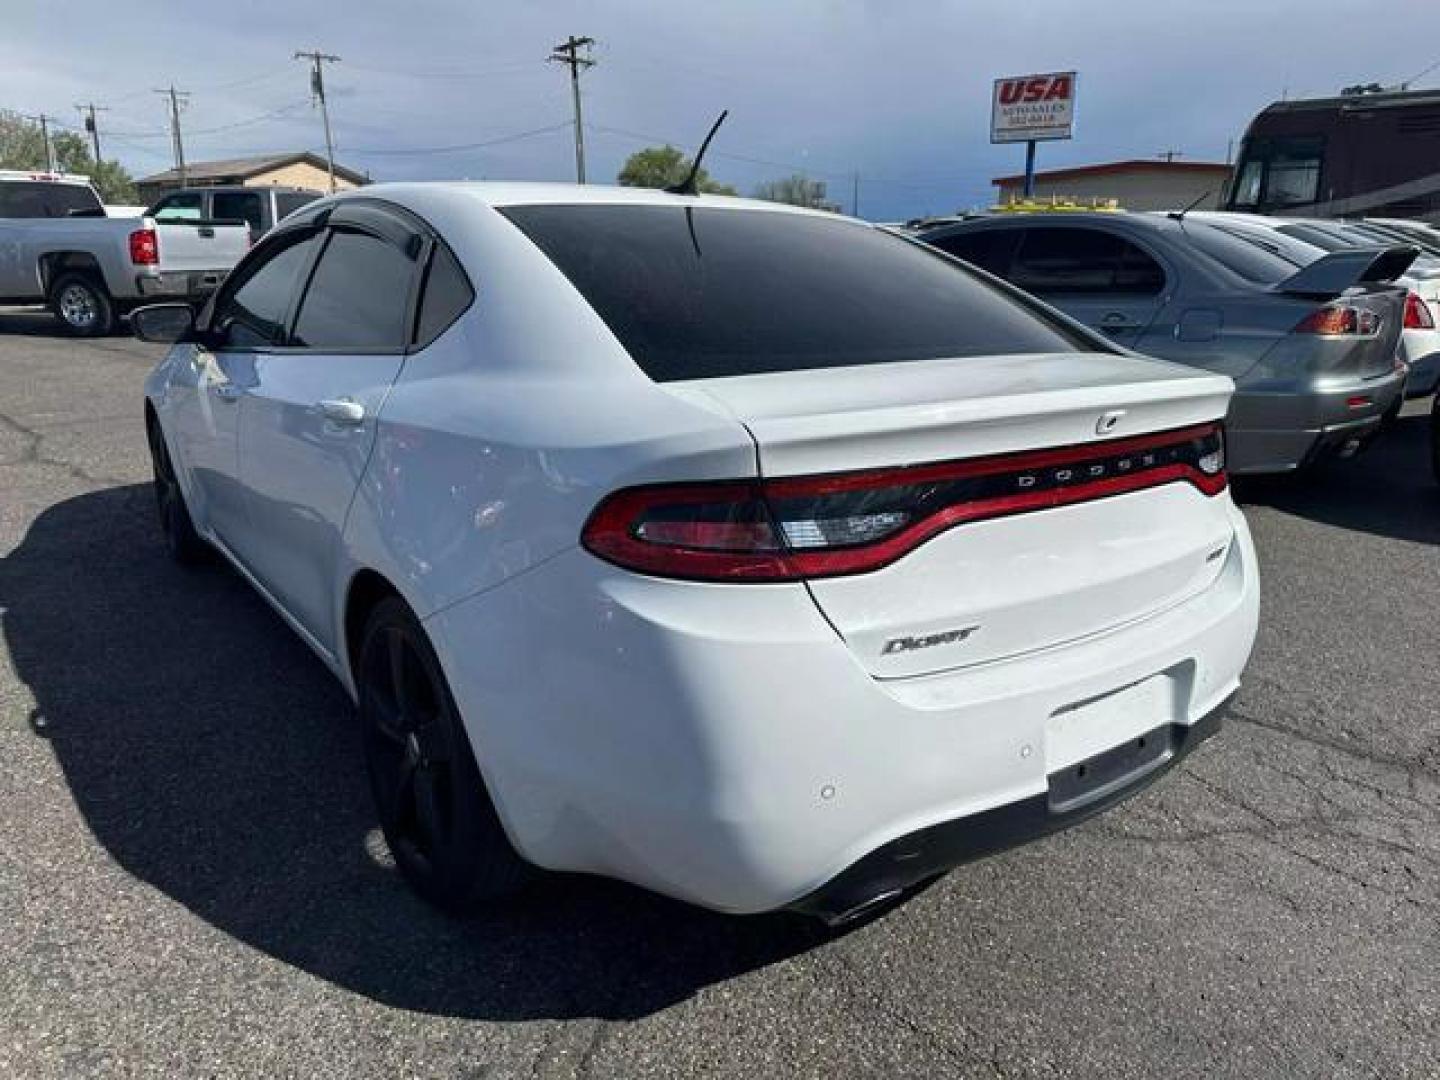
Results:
[1138, 273]
[252, 314]
[358, 297]
[447, 294]
[238, 206]
[1066, 260]
[1077, 260]
[287, 202]
[45, 199]
[989, 249]
[184, 207]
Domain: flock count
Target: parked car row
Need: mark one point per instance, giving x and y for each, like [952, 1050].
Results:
[1312, 343]
[92, 263]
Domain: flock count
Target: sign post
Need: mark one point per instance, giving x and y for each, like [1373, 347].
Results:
[1032, 108]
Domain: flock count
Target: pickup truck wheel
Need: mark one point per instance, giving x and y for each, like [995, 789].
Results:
[82, 305]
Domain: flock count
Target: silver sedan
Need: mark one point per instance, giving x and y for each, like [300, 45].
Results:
[1313, 349]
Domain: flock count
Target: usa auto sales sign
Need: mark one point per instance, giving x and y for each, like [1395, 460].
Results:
[1027, 107]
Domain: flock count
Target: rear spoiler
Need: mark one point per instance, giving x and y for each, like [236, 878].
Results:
[1332, 274]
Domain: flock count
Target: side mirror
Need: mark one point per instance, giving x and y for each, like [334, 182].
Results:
[163, 323]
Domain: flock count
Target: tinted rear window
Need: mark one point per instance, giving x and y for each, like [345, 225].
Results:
[44, 199]
[711, 292]
[1238, 256]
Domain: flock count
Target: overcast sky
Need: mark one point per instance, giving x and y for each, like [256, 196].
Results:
[897, 91]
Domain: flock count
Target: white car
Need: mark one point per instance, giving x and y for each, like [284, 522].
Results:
[754, 555]
[1305, 240]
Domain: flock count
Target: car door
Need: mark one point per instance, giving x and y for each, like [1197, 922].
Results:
[1094, 275]
[248, 318]
[309, 415]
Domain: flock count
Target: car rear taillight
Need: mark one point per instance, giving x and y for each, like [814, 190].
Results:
[144, 247]
[1339, 320]
[1417, 314]
[847, 523]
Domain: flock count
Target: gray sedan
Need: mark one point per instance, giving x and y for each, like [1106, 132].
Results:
[1312, 350]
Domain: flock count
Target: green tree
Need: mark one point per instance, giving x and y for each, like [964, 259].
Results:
[796, 190]
[22, 146]
[661, 166]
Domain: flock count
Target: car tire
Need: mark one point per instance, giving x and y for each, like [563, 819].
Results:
[434, 809]
[82, 305]
[1435, 438]
[184, 543]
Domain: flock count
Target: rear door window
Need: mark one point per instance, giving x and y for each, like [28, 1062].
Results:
[358, 297]
[238, 206]
[287, 202]
[1062, 260]
[707, 292]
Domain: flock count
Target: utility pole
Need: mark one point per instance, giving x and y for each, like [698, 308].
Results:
[1169, 155]
[568, 53]
[87, 113]
[317, 91]
[44, 122]
[177, 98]
[855, 194]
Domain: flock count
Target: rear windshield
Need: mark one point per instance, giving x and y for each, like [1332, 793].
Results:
[45, 199]
[1239, 256]
[711, 292]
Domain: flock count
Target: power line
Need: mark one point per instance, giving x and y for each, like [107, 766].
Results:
[1419, 75]
[317, 90]
[463, 146]
[568, 53]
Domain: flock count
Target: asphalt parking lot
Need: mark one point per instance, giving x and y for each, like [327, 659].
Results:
[190, 884]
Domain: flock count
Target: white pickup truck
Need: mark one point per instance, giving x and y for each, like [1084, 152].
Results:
[58, 246]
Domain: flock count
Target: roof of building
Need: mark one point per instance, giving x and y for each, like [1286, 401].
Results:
[241, 168]
[1110, 168]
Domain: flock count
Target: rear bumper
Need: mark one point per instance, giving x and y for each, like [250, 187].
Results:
[182, 284]
[1269, 432]
[1072, 796]
[723, 745]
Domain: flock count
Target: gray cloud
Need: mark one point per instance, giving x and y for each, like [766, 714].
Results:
[897, 91]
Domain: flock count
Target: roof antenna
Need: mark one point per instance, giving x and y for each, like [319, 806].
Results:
[687, 186]
[1179, 215]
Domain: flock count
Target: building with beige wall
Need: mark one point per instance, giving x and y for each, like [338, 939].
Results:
[303, 170]
[1136, 185]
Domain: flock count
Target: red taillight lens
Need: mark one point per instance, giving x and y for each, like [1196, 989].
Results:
[1339, 320]
[1417, 314]
[847, 523]
[144, 247]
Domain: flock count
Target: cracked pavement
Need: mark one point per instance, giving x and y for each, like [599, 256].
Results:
[190, 884]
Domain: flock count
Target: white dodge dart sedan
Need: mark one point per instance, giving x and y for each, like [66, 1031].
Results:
[755, 555]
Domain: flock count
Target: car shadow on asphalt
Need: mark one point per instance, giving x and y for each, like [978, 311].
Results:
[1387, 490]
[216, 760]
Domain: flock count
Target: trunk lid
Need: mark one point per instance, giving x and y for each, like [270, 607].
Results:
[988, 589]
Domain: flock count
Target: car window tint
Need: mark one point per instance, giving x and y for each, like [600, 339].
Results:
[188, 207]
[1240, 257]
[237, 206]
[287, 202]
[989, 249]
[44, 199]
[1066, 260]
[447, 293]
[711, 292]
[358, 296]
[253, 312]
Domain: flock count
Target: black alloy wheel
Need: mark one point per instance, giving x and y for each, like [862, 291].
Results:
[182, 541]
[437, 817]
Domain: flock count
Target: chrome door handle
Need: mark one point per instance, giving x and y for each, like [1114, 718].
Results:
[346, 411]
